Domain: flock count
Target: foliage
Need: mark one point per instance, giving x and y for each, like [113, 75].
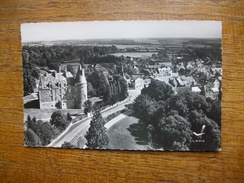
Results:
[123, 88]
[29, 76]
[90, 90]
[31, 139]
[186, 101]
[141, 103]
[112, 88]
[174, 133]
[211, 137]
[158, 90]
[170, 123]
[215, 111]
[69, 116]
[46, 133]
[32, 124]
[68, 145]
[59, 120]
[93, 80]
[39, 132]
[112, 116]
[87, 106]
[58, 105]
[97, 136]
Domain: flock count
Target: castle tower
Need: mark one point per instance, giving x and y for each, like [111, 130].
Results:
[81, 88]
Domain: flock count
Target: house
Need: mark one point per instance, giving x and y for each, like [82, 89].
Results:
[211, 93]
[137, 84]
[166, 71]
[136, 70]
[195, 89]
[211, 89]
[216, 71]
[101, 69]
[173, 82]
[180, 83]
[214, 82]
[188, 81]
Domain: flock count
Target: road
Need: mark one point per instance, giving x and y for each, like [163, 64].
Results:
[74, 131]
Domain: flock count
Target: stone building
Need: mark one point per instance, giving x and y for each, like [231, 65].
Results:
[63, 90]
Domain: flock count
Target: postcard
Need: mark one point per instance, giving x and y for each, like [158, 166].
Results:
[123, 85]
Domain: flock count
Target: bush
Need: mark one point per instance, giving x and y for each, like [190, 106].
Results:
[31, 139]
[59, 120]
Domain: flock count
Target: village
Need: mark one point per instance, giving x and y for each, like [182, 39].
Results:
[111, 85]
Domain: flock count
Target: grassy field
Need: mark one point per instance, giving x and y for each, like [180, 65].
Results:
[120, 135]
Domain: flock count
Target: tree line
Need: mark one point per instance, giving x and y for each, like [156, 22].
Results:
[112, 88]
[171, 119]
[39, 133]
[96, 136]
[52, 56]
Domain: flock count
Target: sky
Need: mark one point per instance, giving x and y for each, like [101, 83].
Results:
[31, 32]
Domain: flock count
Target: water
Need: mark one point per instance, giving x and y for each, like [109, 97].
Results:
[135, 54]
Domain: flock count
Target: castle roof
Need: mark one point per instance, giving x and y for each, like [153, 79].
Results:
[48, 80]
[80, 77]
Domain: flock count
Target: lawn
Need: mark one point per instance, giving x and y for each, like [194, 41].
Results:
[120, 135]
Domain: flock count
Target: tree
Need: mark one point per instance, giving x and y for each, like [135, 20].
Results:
[96, 136]
[158, 90]
[211, 139]
[174, 133]
[93, 79]
[107, 96]
[31, 139]
[87, 106]
[141, 103]
[68, 145]
[103, 85]
[194, 101]
[33, 125]
[123, 88]
[154, 112]
[215, 111]
[69, 117]
[178, 104]
[29, 76]
[58, 105]
[185, 102]
[46, 133]
[90, 90]
[59, 120]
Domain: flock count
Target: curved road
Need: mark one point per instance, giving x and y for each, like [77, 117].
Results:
[74, 131]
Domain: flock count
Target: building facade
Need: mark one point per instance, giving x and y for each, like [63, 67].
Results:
[63, 90]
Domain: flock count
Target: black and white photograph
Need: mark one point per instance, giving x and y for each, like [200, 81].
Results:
[123, 85]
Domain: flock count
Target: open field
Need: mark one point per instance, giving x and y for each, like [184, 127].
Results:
[120, 135]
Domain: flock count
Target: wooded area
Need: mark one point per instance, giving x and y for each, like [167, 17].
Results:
[21, 164]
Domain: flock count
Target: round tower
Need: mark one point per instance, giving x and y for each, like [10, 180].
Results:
[81, 88]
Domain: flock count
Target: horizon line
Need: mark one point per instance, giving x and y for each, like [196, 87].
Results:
[90, 39]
